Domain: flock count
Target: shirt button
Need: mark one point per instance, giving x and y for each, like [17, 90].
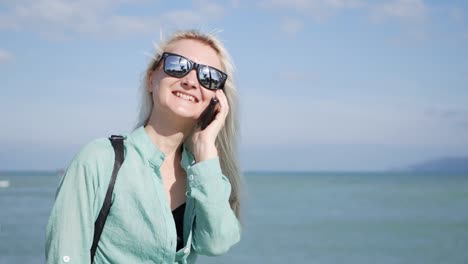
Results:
[66, 259]
[187, 250]
[191, 177]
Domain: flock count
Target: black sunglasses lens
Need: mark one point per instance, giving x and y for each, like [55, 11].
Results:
[210, 78]
[176, 66]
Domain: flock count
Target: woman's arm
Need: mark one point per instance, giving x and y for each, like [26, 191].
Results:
[71, 223]
[216, 227]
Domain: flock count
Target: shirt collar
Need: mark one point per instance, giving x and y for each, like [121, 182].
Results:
[150, 151]
[187, 158]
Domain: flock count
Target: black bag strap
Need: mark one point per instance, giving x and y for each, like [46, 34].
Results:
[117, 144]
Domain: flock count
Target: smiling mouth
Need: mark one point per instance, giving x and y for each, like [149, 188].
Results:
[185, 97]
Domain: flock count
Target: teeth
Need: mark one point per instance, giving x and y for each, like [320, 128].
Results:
[185, 96]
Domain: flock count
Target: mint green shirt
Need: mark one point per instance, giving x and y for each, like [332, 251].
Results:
[140, 227]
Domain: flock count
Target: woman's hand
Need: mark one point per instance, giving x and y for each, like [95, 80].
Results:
[204, 140]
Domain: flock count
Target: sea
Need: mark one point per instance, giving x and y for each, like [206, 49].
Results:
[293, 217]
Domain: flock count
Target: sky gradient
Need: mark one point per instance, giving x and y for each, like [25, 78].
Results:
[324, 84]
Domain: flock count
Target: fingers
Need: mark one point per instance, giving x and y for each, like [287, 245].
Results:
[210, 133]
[223, 102]
[222, 112]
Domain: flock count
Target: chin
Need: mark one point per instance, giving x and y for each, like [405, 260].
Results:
[185, 113]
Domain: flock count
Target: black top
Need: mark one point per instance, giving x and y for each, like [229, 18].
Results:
[178, 215]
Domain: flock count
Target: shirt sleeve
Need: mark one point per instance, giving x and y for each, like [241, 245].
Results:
[216, 227]
[71, 222]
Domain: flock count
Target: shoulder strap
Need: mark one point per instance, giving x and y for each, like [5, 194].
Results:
[117, 144]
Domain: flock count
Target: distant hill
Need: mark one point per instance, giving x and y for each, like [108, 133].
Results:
[448, 164]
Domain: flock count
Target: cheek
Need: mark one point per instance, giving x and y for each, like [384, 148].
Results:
[208, 94]
[156, 95]
[155, 81]
[158, 88]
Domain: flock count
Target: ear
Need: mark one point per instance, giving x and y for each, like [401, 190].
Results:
[149, 83]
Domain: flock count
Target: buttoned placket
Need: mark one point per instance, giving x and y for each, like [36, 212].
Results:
[155, 162]
[171, 233]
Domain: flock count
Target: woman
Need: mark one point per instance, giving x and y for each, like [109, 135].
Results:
[177, 180]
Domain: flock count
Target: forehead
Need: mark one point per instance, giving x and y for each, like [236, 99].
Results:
[196, 51]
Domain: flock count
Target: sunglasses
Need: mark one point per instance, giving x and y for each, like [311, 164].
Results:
[178, 66]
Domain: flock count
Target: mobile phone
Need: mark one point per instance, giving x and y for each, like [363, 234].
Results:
[208, 114]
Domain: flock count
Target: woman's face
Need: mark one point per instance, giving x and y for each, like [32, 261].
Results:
[183, 97]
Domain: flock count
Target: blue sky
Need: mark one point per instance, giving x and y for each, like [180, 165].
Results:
[324, 84]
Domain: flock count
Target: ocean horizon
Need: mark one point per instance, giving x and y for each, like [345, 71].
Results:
[260, 172]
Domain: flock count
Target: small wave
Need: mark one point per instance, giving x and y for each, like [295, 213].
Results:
[4, 184]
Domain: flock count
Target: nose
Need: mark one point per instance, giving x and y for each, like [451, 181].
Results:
[190, 80]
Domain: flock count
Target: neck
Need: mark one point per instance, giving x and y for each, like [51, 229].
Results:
[168, 134]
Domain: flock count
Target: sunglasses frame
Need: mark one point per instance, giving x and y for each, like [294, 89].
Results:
[193, 65]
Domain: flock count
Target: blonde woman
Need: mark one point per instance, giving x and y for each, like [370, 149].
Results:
[176, 194]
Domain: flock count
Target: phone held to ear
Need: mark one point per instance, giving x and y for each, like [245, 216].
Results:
[208, 115]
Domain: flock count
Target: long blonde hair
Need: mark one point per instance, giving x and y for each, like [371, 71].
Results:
[226, 142]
